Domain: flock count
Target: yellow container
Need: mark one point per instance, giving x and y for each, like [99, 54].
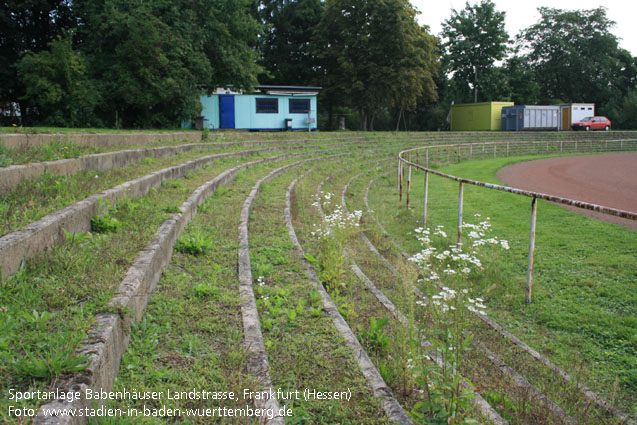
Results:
[477, 116]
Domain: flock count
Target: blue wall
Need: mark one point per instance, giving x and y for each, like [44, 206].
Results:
[246, 117]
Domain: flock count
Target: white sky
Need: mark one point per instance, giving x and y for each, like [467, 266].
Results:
[521, 14]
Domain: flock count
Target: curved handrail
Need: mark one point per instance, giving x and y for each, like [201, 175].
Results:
[402, 161]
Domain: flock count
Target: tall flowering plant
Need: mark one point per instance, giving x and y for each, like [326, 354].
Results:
[448, 310]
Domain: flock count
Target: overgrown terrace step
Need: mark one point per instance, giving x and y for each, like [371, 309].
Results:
[489, 376]
[392, 408]
[32, 200]
[576, 399]
[109, 338]
[303, 348]
[12, 176]
[47, 232]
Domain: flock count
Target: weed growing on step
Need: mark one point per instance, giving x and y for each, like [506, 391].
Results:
[193, 244]
[330, 237]
[449, 310]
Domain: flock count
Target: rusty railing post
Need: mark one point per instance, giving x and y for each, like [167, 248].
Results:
[398, 176]
[529, 271]
[460, 196]
[401, 175]
[424, 213]
[408, 185]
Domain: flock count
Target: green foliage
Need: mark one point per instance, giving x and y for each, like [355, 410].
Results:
[286, 46]
[53, 362]
[28, 27]
[206, 289]
[622, 111]
[575, 56]
[475, 38]
[5, 158]
[57, 85]
[105, 224]
[331, 265]
[374, 338]
[194, 244]
[171, 209]
[366, 68]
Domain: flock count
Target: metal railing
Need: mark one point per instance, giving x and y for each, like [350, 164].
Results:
[441, 154]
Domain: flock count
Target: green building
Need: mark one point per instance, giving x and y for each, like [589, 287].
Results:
[477, 116]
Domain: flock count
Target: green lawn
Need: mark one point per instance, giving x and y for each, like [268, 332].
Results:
[584, 309]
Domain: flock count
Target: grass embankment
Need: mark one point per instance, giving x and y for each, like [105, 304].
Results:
[513, 403]
[389, 345]
[48, 307]
[584, 309]
[304, 348]
[196, 322]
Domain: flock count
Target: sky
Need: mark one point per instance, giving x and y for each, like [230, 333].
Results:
[522, 14]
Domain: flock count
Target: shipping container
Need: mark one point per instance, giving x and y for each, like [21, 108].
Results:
[574, 112]
[477, 116]
[530, 117]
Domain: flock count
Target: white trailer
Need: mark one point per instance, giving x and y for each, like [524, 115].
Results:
[574, 112]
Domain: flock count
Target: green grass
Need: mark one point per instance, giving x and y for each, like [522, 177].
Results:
[34, 199]
[48, 307]
[304, 348]
[584, 309]
[66, 130]
[174, 351]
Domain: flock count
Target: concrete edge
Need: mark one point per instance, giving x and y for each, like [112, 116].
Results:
[108, 339]
[392, 408]
[587, 392]
[39, 236]
[478, 401]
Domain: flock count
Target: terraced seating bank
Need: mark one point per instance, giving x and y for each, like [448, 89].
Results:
[278, 279]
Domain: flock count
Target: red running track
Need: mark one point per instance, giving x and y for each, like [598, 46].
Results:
[609, 180]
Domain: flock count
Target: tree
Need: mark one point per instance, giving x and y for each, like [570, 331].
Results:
[524, 88]
[152, 59]
[474, 39]
[28, 26]
[374, 55]
[57, 88]
[576, 58]
[286, 44]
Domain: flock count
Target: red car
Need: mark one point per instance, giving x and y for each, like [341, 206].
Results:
[592, 123]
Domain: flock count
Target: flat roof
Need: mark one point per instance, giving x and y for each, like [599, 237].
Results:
[299, 88]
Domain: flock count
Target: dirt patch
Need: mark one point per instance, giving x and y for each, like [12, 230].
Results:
[609, 180]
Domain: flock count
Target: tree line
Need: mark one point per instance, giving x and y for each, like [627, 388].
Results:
[144, 63]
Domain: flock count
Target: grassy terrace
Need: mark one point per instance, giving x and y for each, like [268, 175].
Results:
[583, 315]
[208, 352]
[584, 307]
[304, 349]
[52, 303]
[34, 199]
[393, 348]
[65, 148]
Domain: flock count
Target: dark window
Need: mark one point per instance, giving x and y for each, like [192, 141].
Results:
[299, 106]
[267, 106]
